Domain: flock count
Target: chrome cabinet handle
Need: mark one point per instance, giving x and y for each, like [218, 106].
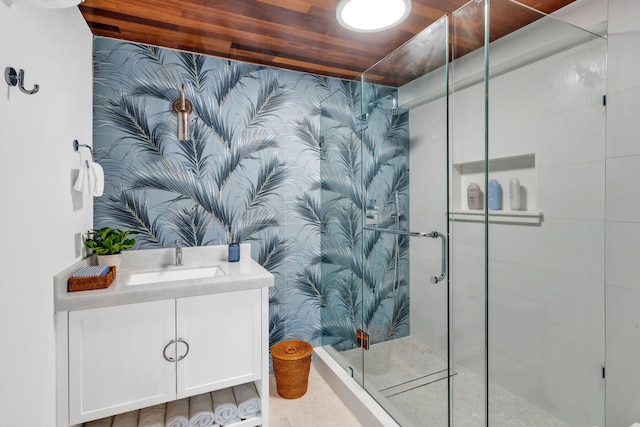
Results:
[164, 352]
[171, 359]
[186, 352]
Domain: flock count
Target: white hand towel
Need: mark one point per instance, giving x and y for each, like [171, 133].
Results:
[96, 174]
[152, 416]
[247, 399]
[102, 422]
[82, 181]
[177, 413]
[224, 406]
[128, 419]
[201, 411]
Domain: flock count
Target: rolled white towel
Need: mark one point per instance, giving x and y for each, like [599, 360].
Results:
[177, 413]
[224, 406]
[102, 422]
[152, 416]
[96, 175]
[128, 419]
[201, 411]
[247, 399]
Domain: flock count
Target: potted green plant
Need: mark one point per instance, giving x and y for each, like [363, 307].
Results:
[108, 243]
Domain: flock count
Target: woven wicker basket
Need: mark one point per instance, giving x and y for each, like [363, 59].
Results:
[89, 283]
[291, 364]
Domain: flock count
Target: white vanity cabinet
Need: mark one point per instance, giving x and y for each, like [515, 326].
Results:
[131, 356]
[134, 345]
[115, 359]
[224, 337]
[136, 355]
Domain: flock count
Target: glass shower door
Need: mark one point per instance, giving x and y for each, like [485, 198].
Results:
[404, 178]
[468, 208]
[527, 128]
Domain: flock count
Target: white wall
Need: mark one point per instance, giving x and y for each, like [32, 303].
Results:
[40, 215]
[623, 215]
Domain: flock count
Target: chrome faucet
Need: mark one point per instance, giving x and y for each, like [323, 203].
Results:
[178, 252]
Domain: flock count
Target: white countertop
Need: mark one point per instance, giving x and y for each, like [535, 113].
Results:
[242, 275]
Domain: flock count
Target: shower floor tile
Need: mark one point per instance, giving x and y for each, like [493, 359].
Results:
[409, 379]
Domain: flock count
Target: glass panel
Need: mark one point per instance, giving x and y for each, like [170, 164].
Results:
[467, 267]
[546, 222]
[341, 123]
[404, 178]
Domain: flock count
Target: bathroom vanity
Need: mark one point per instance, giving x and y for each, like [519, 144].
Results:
[162, 332]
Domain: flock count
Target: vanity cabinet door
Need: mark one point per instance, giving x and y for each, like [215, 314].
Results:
[223, 333]
[116, 361]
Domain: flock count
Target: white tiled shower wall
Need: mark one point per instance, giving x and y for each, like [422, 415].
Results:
[623, 215]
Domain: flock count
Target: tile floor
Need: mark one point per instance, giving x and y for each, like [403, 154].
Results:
[319, 407]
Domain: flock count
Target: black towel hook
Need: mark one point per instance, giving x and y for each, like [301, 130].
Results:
[16, 78]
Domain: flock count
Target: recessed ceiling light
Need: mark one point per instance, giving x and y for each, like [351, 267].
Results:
[372, 15]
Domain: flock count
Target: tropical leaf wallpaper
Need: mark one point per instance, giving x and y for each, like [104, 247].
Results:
[286, 161]
[364, 179]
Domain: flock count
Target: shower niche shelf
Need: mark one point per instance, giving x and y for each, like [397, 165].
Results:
[502, 169]
[516, 217]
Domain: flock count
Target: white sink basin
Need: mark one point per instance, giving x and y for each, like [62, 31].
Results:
[172, 275]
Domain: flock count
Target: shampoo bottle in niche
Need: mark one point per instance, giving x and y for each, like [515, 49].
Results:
[474, 196]
[234, 250]
[514, 194]
[495, 195]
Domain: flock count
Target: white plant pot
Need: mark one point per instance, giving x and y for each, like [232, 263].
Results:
[110, 260]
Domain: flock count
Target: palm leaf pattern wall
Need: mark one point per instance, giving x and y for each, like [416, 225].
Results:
[251, 169]
[364, 158]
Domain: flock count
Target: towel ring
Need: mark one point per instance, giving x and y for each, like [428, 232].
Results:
[77, 145]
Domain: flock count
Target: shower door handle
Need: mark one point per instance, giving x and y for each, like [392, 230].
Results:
[432, 234]
[436, 279]
[402, 232]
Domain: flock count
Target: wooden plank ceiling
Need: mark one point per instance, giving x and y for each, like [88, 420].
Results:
[301, 35]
